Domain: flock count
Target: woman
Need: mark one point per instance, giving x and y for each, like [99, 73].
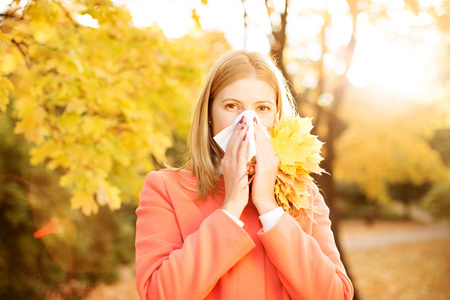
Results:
[204, 232]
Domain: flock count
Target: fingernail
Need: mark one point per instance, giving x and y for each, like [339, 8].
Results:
[255, 120]
[242, 120]
[245, 137]
[243, 126]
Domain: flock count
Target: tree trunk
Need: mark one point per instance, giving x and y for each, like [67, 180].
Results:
[407, 210]
[332, 122]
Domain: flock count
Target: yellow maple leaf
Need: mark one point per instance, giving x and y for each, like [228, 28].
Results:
[299, 154]
[84, 200]
[109, 195]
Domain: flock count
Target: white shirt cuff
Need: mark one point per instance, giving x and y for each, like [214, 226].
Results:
[271, 218]
[239, 222]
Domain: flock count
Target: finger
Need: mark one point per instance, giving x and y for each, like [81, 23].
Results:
[242, 153]
[265, 154]
[262, 133]
[263, 144]
[236, 137]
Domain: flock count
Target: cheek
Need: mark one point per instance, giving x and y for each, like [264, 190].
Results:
[216, 128]
[222, 121]
[268, 120]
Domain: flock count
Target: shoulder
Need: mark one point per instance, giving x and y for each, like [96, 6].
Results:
[169, 176]
[167, 182]
[155, 175]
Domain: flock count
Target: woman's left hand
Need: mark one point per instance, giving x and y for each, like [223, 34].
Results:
[266, 169]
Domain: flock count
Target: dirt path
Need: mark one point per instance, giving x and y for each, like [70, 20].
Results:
[124, 289]
[356, 235]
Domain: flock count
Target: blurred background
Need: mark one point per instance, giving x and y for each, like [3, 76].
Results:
[94, 94]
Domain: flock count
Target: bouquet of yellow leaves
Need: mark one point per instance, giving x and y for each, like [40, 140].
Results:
[299, 155]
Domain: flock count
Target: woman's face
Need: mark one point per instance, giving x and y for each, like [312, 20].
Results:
[243, 94]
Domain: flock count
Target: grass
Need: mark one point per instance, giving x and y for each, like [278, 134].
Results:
[407, 271]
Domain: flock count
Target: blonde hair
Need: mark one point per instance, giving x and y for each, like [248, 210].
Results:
[204, 153]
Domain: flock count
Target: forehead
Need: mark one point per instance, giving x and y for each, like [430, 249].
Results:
[248, 89]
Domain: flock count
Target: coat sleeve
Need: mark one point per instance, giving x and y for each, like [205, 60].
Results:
[309, 266]
[168, 267]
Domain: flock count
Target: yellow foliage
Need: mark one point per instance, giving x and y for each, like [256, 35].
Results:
[101, 103]
[83, 200]
[299, 155]
[109, 195]
[377, 150]
[5, 88]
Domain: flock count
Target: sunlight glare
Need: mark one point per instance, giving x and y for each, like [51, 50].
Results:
[310, 80]
[325, 99]
[4, 5]
[340, 32]
[279, 5]
[175, 24]
[87, 20]
[303, 29]
[226, 17]
[395, 64]
[314, 52]
[337, 7]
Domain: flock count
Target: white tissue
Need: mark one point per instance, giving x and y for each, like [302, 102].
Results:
[224, 136]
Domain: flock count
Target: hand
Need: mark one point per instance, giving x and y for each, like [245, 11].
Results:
[266, 169]
[234, 166]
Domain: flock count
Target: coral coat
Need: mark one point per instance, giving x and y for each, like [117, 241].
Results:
[189, 249]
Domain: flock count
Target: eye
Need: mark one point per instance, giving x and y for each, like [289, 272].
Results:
[231, 106]
[264, 108]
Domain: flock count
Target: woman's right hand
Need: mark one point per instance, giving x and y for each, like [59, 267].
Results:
[234, 166]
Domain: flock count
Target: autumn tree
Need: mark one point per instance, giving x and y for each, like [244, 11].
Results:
[101, 102]
[384, 153]
[296, 68]
[93, 105]
[71, 252]
[308, 75]
[385, 148]
[314, 43]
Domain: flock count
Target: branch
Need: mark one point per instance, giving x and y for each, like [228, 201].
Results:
[68, 15]
[25, 56]
[11, 13]
[277, 47]
[348, 56]
[245, 23]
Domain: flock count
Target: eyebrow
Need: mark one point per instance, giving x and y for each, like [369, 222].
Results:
[267, 101]
[257, 102]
